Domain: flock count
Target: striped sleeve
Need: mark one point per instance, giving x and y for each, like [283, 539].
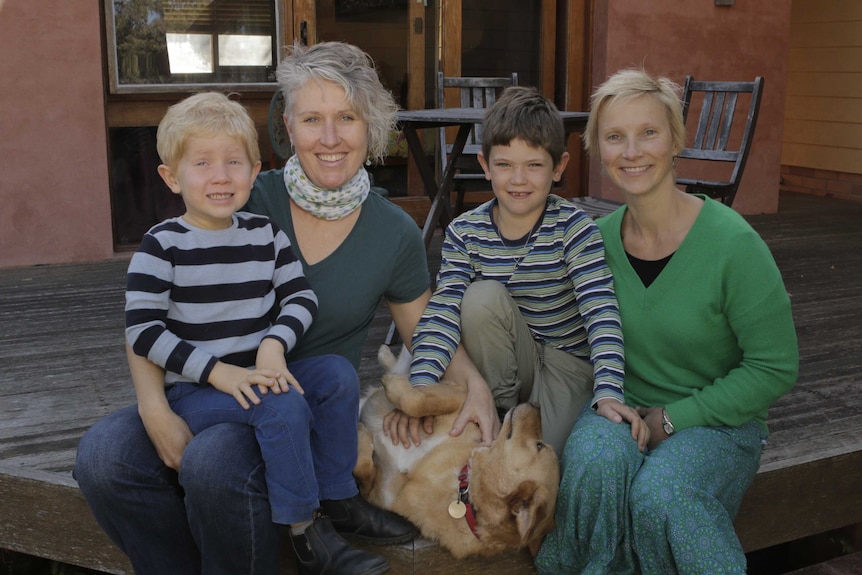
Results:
[439, 330]
[597, 304]
[296, 300]
[149, 286]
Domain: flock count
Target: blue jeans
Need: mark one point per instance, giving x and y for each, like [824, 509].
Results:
[214, 517]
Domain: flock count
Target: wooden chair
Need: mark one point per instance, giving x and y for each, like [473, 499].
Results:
[475, 92]
[277, 130]
[719, 119]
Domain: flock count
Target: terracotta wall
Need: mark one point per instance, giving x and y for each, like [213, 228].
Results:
[673, 39]
[53, 158]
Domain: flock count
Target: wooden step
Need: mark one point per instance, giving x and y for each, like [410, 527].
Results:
[428, 558]
[844, 565]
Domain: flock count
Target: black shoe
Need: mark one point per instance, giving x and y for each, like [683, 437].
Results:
[357, 519]
[322, 551]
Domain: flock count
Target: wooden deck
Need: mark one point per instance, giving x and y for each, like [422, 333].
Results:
[62, 368]
[847, 565]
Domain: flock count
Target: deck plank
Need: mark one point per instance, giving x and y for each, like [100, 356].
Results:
[62, 368]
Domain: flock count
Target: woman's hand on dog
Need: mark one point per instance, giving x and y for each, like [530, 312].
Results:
[403, 429]
[617, 412]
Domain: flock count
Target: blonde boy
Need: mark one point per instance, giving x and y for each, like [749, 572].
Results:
[200, 291]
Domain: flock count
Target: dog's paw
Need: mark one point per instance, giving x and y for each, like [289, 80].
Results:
[385, 358]
[388, 361]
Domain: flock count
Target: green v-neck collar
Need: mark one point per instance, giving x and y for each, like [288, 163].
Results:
[674, 268]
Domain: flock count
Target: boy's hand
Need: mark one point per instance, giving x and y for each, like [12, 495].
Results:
[169, 433]
[270, 355]
[479, 408]
[617, 412]
[238, 381]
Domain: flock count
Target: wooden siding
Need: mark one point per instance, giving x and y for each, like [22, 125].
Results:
[823, 112]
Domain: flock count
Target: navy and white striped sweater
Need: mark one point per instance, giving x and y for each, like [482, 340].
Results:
[197, 296]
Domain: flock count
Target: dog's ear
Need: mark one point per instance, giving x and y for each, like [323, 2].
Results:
[529, 505]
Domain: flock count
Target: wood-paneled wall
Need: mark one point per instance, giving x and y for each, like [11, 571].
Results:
[823, 113]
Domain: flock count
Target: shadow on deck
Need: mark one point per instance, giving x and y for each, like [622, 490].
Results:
[62, 367]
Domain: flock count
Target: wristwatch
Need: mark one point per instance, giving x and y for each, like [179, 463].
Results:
[665, 422]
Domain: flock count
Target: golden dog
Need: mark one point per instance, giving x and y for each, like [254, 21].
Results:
[473, 499]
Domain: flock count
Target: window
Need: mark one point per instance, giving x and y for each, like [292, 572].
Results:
[185, 45]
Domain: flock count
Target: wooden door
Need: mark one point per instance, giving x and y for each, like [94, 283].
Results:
[398, 35]
[393, 33]
[546, 42]
[498, 37]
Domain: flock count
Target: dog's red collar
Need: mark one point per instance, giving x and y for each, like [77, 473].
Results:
[464, 495]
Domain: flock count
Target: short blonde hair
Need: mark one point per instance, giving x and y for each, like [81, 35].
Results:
[628, 84]
[351, 69]
[204, 114]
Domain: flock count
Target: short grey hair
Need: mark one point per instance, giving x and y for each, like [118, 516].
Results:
[353, 70]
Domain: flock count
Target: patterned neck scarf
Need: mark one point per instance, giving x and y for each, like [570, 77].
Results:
[326, 204]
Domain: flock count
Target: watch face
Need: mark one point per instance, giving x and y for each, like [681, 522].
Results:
[666, 424]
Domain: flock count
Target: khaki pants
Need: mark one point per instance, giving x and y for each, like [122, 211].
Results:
[519, 368]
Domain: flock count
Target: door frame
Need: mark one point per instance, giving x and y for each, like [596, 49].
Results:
[301, 19]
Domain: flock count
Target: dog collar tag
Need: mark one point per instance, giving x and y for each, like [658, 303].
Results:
[457, 509]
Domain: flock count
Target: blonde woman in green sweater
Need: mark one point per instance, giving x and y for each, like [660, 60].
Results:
[709, 343]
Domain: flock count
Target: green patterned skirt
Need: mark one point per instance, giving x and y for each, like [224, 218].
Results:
[669, 511]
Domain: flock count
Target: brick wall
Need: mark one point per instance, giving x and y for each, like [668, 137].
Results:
[821, 182]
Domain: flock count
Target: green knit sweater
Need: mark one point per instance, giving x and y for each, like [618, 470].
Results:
[712, 339]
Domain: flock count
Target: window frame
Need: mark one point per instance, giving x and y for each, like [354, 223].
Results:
[115, 87]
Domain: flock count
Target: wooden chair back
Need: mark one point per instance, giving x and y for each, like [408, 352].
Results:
[719, 125]
[474, 92]
[277, 130]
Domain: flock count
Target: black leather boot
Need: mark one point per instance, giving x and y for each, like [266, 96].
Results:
[357, 519]
[322, 551]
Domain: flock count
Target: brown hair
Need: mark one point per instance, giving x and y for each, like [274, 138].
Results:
[522, 113]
